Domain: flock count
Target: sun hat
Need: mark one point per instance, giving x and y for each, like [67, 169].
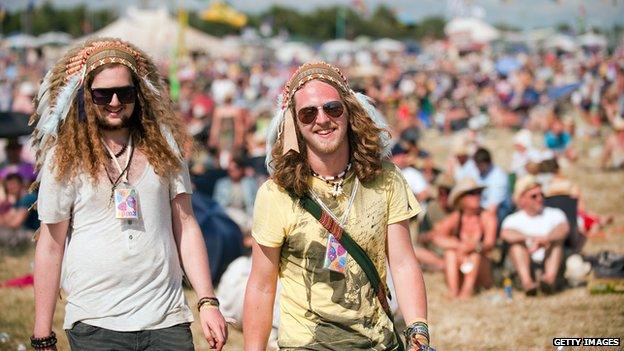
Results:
[463, 187]
[522, 185]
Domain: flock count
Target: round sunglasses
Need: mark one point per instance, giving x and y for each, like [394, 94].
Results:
[103, 96]
[308, 114]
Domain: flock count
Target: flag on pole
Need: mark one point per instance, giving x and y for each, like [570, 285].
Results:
[179, 51]
[221, 12]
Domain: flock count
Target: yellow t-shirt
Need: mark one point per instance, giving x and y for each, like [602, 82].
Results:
[321, 309]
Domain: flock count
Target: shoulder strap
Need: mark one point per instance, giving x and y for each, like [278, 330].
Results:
[358, 254]
[355, 250]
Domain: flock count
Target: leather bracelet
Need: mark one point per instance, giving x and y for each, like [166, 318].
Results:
[207, 301]
[43, 343]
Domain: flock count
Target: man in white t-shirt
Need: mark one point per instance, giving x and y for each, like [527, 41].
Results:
[535, 233]
[117, 226]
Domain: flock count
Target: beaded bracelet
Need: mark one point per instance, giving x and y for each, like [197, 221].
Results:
[207, 301]
[43, 343]
[414, 330]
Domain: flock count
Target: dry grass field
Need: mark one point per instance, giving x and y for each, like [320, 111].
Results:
[486, 322]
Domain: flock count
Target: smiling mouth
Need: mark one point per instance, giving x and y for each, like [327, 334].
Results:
[114, 110]
[324, 132]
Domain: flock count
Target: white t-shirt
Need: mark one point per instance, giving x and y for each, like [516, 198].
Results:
[534, 226]
[415, 180]
[119, 275]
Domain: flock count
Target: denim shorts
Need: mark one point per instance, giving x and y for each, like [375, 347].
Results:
[83, 336]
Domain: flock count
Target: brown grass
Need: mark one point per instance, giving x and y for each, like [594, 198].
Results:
[486, 322]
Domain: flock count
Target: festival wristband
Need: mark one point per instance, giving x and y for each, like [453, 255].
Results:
[208, 302]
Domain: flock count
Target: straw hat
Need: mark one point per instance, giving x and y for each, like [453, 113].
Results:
[444, 181]
[522, 185]
[463, 186]
[460, 147]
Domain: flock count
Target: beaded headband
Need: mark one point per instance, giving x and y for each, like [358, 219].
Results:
[283, 122]
[62, 84]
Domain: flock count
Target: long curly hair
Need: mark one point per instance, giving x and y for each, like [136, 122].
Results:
[79, 146]
[292, 170]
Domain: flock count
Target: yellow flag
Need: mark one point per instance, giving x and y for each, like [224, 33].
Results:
[219, 11]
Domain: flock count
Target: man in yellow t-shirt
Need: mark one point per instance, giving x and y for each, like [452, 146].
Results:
[329, 143]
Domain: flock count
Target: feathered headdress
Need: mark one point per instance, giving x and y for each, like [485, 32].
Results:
[66, 79]
[283, 122]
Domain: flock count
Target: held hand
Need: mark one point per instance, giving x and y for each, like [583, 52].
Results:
[214, 327]
[542, 242]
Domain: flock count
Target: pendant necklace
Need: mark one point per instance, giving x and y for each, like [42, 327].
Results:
[336, 182]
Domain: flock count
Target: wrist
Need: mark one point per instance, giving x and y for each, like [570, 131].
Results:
[208, 301]
[47, 342]
[417, 334]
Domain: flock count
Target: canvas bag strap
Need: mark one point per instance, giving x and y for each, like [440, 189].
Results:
[358, 254]
[355, 250]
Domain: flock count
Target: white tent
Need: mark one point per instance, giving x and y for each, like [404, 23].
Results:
[21, 41]
[156, 32]
[286, 52]
[471, 30]
[591, 39]
[561, 42]
[339, 46]
[388, 45]
[54, 38]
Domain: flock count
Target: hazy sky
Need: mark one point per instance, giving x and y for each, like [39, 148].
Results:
[518, 13]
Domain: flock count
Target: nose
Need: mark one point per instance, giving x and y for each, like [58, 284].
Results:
[114, 101]
[322, 117]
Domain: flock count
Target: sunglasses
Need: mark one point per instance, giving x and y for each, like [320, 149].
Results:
[474, 192]
[333, 109]
[103, 96]
[536, 196]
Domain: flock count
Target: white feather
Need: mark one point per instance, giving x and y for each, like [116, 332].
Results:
[166, 132]
[148, 83]
[48, 124]
[379, 120]
[274, 132]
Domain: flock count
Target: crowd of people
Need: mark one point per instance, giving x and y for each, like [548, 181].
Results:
[480, 219]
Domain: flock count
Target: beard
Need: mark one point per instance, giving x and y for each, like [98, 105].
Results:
[126, 122]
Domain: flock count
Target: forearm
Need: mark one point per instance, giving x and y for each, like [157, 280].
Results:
[446, 242]
[512, 236]
[406, 274]
[258, 313]
[47, 271]
[559, 233]
[410, 289]
[194, 259]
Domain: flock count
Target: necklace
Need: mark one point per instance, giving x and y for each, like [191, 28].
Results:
[335, 181]
[121, 152]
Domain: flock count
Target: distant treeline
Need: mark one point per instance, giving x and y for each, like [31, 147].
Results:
[321, 24]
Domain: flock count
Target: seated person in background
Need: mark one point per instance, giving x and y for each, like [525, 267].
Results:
[15, 164]
[236, 194]
[437, 210]
[16, 222]
[613, 153]
[535, 234]
[494, 180]
[558, 140]
[524, 153]
[466, 235]
[416, 181]
[460, 164]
